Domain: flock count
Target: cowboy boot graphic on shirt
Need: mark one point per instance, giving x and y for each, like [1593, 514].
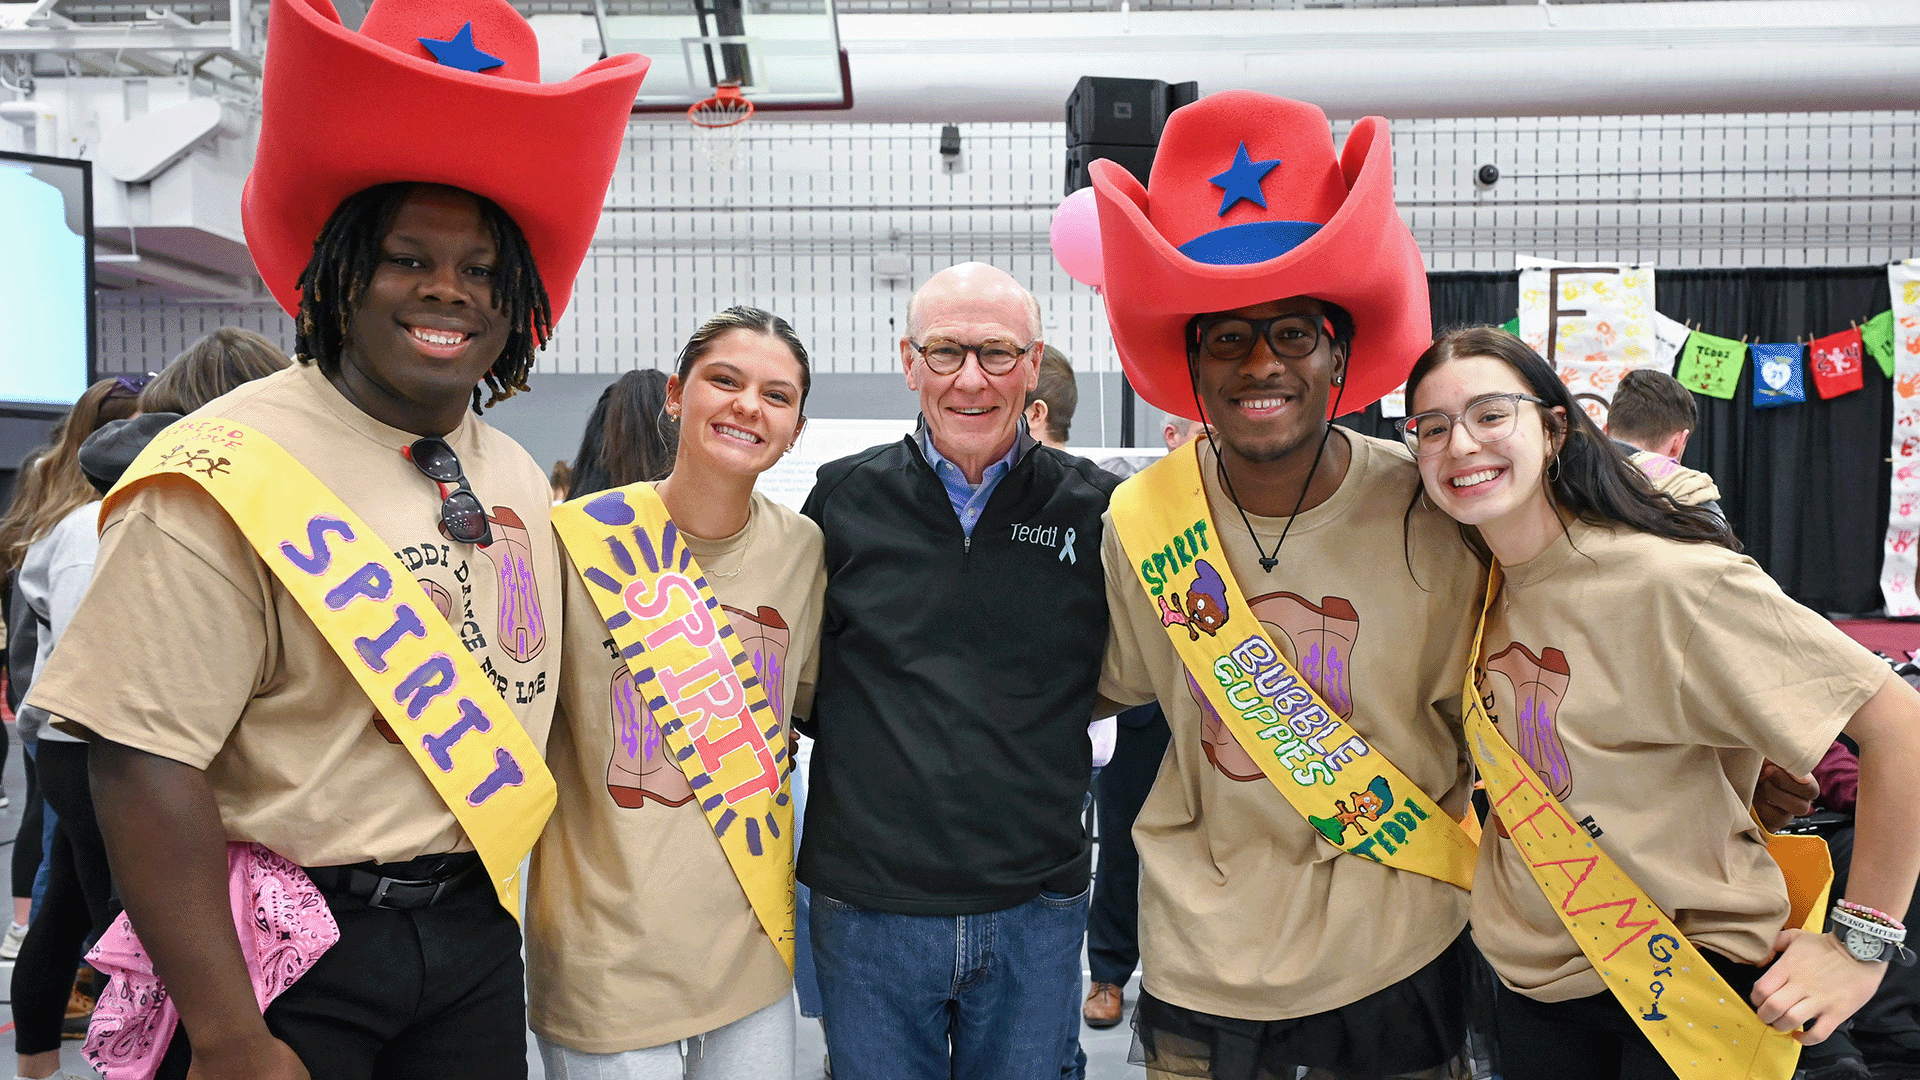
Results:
[1322, 636]
[1539, 685]
[642, 765]
[1221, 747]
[1320, 639]
[765, 637]
[523, 629]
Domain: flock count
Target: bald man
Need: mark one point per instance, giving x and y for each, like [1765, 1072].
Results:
[965, 620]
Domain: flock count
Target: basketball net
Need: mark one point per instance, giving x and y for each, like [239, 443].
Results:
[718, 123]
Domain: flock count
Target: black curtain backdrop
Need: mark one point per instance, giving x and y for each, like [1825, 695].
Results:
[1805, 486]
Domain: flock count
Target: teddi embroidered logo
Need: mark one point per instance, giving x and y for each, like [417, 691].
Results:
[1048, 536]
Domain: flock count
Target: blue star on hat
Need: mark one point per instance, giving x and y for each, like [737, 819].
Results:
[1242, 180]
[459, 52]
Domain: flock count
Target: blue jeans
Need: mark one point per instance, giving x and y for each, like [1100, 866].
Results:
[949, 997]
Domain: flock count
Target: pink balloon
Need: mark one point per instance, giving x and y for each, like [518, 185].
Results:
[1076, 237]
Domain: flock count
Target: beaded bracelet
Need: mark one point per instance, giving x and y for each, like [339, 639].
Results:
[1870, 914]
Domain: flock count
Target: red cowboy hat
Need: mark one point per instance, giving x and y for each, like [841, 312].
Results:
[1247, 203]
[436, 91]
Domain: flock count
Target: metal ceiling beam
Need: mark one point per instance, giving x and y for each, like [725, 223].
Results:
[116, 37]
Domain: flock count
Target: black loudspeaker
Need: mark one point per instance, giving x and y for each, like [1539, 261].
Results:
[1137, 160]
[1119, 119]
[1116, 112]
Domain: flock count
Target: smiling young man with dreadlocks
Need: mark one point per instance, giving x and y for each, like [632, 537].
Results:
[335, 582]
[1298, 614]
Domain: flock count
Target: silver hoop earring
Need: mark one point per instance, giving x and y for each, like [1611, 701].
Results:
[1553, 469]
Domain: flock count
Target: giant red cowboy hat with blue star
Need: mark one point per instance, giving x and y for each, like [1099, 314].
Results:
[1247, 203]
[436, 91]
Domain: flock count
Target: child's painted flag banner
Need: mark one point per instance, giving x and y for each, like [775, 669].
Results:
[1669, 337]
[1836, 363]
[1711, 365]
[1777, 378]
[1877, 335]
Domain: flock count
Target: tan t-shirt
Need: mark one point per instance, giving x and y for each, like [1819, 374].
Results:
[1245, 910]
[638, 933]
[187, 646]
[1646, 681]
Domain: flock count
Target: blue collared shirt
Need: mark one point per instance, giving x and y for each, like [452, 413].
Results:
[969, 501]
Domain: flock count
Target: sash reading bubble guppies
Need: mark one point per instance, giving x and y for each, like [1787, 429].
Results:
[690, 670]
[1313, 756]
[400, 650]
[1702, 1027]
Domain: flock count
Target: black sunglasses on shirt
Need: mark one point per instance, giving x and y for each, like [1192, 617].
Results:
[462, 518]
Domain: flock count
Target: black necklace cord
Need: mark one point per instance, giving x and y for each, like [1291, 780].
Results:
[1267, 562]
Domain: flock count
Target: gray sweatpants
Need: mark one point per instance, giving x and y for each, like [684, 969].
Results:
[758, 1046]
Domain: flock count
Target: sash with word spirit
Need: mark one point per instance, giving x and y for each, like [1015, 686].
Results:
[1702, 1027]
[689, 668]
[1315, 758]
[400, 650]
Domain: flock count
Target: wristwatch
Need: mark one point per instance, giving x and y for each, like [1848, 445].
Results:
[1867, 937]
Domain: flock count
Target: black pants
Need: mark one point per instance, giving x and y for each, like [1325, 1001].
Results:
[1415, 1028]
[26, 842]
[1113, 919]
[78, 904]
[1589, 1038]
[406, 995]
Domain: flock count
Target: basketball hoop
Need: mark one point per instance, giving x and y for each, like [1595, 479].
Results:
[718, 123]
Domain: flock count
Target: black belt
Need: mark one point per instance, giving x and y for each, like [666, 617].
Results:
[403, 886]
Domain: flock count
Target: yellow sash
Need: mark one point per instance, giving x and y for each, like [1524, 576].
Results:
[443, 708]
[1315, 758]
[690, 670]
[1703, 1029]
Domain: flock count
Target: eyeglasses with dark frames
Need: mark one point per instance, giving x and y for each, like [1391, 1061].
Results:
[1489, 419]
[946, 357]
[462, 518]
[1231, 337]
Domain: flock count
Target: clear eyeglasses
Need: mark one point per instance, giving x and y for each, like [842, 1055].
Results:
[1489, 419]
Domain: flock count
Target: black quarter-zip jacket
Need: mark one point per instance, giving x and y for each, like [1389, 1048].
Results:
[956, 682]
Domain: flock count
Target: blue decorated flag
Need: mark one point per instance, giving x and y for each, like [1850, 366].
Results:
[1779, 375]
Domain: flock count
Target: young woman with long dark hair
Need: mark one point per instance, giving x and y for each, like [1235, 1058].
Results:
[1644, 671]
[629, 436]
[51, 538]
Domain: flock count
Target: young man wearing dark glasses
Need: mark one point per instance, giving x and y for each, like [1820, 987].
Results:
[246, 722]
[1267, 289]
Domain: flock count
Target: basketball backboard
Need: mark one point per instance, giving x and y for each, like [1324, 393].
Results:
[784, 54]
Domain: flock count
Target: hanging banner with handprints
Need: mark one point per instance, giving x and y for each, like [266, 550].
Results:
[1898, 559]
[1592, 321]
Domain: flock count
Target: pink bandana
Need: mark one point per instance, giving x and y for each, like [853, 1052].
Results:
[284, 927]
